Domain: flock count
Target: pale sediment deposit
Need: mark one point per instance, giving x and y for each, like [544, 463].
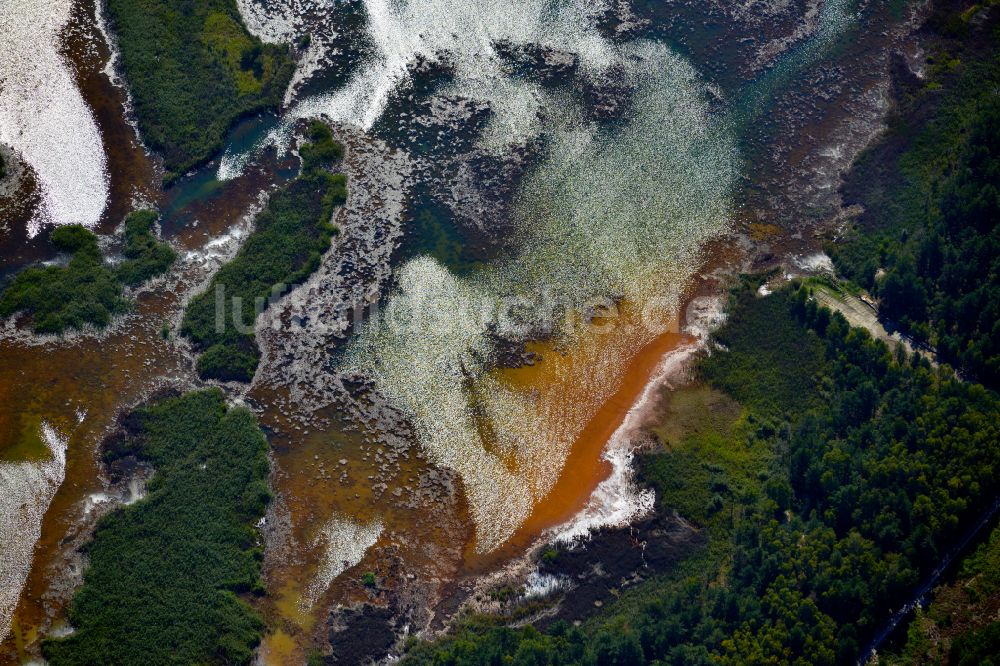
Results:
[28, 487]
[344, 543]
[45, 119]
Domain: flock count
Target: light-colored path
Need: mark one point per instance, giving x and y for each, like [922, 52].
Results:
[860, 313]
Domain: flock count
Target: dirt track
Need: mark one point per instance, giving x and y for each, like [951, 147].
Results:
[859, 313]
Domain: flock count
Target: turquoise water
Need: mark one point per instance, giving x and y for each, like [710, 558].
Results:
[204, 188]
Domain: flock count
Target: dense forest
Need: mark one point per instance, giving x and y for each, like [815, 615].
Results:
[193, 70]
[167, 573]
[928, 243]
[960, 623]
[288, 240]
[87, 290]
[847, 475]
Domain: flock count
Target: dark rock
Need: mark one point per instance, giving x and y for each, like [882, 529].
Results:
[361, 635]
[511, 354]
[543, 63]
[478, 188]
[608, 95]
[612, 559]
[619, 21]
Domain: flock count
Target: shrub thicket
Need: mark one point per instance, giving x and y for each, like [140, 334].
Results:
[165, 574]
[868, 484]
[289, 238]
[193, 70]
[145, 256]
[928, 245]
[86, 290]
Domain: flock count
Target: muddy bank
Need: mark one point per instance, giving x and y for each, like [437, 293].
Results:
[569, 584]
[593, 574]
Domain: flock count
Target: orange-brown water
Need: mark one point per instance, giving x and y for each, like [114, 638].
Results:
[78, 389]
[424, 527]
[427, 537]
[585, 466]
[80, 385]
[431, 540]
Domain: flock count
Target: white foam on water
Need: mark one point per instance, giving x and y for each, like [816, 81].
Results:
[272, 23]
[111, 66]
[26, 489]
[136, 490]
[95, 500]
[542, 585]
[344, 543]
[44, 118]
[467, 31]
[616, 501]
[232, 164]
[818, 262]
[223, 246]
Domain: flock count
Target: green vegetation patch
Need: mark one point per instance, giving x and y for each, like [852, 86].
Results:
[193, 70]
[145, 256]
[86, 290]
[165, 573]
[711, 457]
[289, 238]
[928, 244]
[27, 444]
[772, 362]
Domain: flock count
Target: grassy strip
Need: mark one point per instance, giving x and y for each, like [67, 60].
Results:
[928, 244]
[290, 235]
[193, 70]
[86, 290]
[165, 573]
[823, 511]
